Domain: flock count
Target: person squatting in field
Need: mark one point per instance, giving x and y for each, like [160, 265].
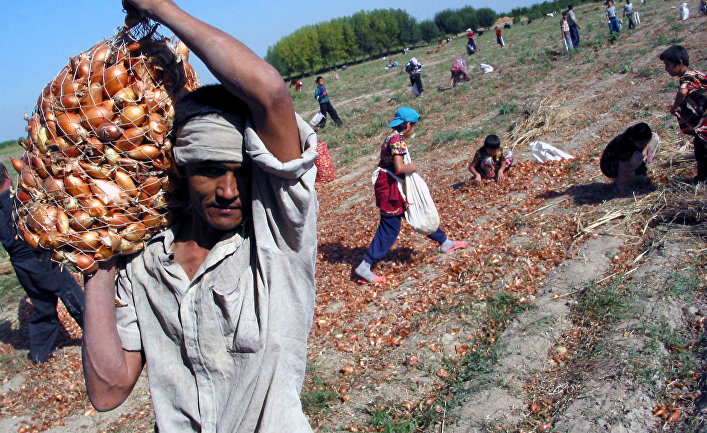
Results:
[390, 201]
[219, 303]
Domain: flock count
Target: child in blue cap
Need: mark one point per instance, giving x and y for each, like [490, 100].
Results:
[391, 203]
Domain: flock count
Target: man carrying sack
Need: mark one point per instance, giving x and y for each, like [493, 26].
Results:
[219, 304]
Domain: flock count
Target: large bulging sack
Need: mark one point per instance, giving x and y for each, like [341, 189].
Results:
[93, 178]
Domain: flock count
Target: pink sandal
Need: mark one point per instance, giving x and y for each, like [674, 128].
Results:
[376, 279]
[457, 245]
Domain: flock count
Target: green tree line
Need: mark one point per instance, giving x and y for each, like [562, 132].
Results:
[368, 34]
[365, 35]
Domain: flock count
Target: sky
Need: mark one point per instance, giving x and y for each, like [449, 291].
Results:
[38, 37]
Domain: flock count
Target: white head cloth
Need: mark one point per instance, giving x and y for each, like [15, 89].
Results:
[210, 137]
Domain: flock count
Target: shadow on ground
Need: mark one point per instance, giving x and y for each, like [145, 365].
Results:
[596, 193]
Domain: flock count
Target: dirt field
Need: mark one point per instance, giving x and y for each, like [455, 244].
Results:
[575, 308]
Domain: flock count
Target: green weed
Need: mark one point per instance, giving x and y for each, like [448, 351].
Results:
[506, 108]
[316, 395]
[444, 137]
[667, 40]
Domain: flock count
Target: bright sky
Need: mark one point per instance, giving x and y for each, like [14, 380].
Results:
[38, 37]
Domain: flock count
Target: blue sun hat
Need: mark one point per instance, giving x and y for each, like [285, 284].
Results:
[404, 114]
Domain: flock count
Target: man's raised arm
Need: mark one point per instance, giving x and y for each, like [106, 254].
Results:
[239, 69]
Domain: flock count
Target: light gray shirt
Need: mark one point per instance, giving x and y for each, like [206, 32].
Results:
[572, 17]
[611, 12]
[628, 9]
[226, 351]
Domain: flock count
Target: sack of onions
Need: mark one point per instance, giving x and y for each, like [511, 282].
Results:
[93, 178]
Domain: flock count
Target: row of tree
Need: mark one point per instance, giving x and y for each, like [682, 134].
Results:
[369, 34]
[365, 35]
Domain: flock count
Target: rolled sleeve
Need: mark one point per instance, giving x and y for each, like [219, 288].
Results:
[284, 200]
[261, 156]
[125, 314]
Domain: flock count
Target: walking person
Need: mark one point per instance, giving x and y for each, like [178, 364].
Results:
[325, 107]
[499, 38]
[610, 12]
[219, 304]
[565, 32]
[628, 13]
[390, 202]
[43, 281]
[690, 104]
[413, 68]
[574, 25]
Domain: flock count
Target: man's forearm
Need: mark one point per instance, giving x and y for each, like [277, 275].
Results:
[109, 375]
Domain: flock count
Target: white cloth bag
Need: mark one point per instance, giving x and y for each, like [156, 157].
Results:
[316, 119]
[684, 12]
[544, 152]
[421, 213]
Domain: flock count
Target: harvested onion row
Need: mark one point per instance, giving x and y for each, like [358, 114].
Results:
[93, 179]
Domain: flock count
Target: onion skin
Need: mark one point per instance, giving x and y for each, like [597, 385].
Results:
[93, 170]
[69, 125]
[54, 187]
[93, 206]
[109, 193]
[134, 232]
[133, 115]
[17, 164]
[84, 262]
[108, 131]
[31, 238]
[125, 181]
[130, 140]
[23, 195]
[81, 220]
[115, 78]
[143, 152]
[75, 186]
[42, 218]
[85, 241]
[96, 116]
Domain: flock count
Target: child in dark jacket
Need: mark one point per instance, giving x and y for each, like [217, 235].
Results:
[321, 95]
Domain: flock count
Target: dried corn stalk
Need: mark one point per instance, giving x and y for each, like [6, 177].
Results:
[93, 178]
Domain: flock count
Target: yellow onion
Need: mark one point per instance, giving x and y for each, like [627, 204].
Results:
[92, 96]
[69, 124]
[62, 222]
[50, 239]
[155, 99]
[93, 206]
[117, 219]
[42, 218]
[31, 238]
[70, 203]
[39, 166]
[17, 164]
[84, 241]
[75, 186]
[134, 232]
[28, 177]
[125, 96]
[125, 181]
[97, 115]
[70, 102]
[144, 152]
[108, 192]
[93, 170]
[81, 220]
[133, 115]
[115, 78]
[54, 186]
[108, 131]
[84, 262]
[131, 139]
[150, 185]
[103, 253]
[23, 195]
[151, 219]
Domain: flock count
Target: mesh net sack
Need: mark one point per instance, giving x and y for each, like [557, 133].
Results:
[324, 163]
[93, 178]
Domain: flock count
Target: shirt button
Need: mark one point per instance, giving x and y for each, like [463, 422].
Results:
[191, 343]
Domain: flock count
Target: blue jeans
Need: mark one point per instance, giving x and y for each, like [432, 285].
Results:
[614, 25]
[574, 32]
[385, 237]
